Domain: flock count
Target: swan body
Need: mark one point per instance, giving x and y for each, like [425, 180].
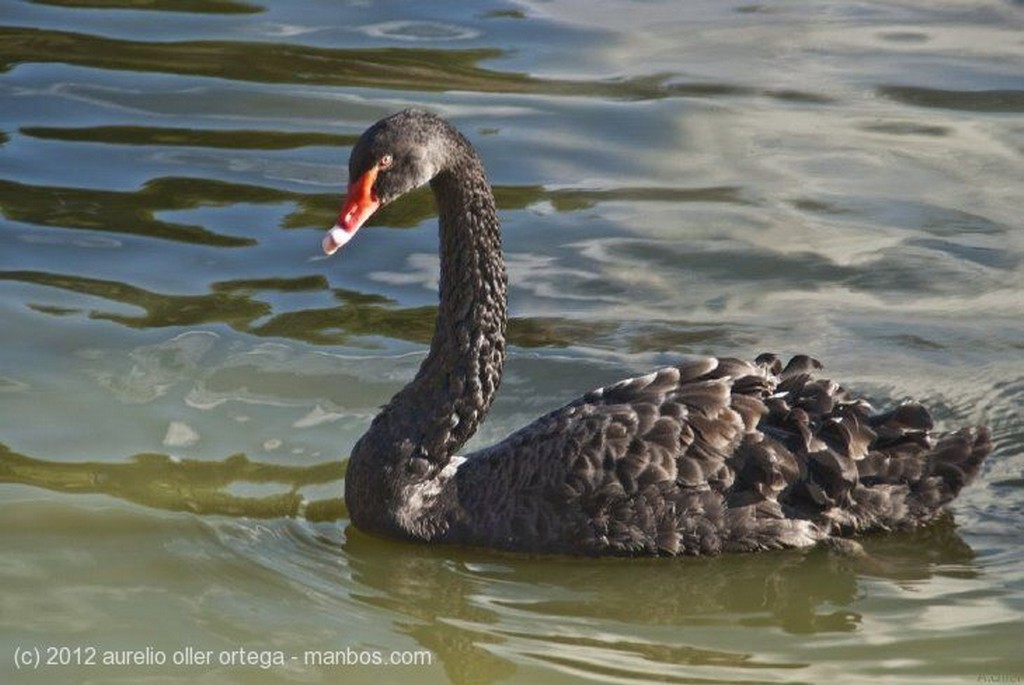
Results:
[711, 455]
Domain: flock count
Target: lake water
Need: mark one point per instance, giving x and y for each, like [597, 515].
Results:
[182, 375]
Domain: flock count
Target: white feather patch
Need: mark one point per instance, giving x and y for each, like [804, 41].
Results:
[418, 498]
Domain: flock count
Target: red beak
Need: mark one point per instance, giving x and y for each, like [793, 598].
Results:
[360, 203]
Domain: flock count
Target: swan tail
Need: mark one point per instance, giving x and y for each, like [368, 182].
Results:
[906, 485]
[856, 470]
[951, 465]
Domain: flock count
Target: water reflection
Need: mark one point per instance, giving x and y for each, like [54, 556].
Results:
[134, 212]
[485, 613]
[411, 69]
[201, 487]
[964, 100]
[194, 6]
[357, 315]
[407, 68]
[152, 135]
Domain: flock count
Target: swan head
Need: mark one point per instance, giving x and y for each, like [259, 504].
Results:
[397, 154]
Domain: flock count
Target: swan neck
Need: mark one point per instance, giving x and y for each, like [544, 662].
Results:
[463, 370]
[414, 437]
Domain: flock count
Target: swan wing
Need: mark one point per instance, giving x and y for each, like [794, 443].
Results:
[711, 455]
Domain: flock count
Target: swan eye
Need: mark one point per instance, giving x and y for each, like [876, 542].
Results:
[385, 162]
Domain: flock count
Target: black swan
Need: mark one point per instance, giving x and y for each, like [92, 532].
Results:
[713, 455]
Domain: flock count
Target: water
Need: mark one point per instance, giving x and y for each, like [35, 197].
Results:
[181, 374]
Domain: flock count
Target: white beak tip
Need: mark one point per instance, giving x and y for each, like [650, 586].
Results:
[335, 239]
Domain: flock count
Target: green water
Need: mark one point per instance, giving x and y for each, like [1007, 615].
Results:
[182, 374]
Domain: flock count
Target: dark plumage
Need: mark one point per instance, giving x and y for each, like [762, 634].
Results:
[712, 455]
